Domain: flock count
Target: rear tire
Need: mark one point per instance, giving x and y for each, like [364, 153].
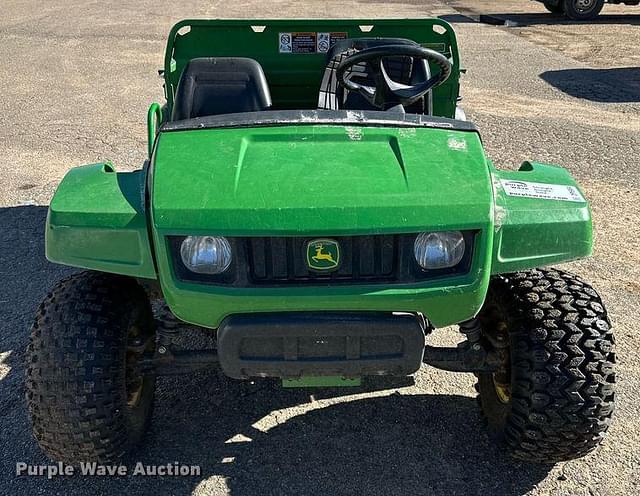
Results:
[554, 6]
[560, 399]
[87, 401]
[582, 10]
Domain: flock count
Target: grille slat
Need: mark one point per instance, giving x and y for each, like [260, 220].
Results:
[258, 252]
[355, 260]
[377, 258]
[268, 263]
[279, 261]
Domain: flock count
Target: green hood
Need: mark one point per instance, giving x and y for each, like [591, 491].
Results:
[319, 180]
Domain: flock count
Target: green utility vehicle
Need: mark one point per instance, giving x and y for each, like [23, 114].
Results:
[581, 10]
[316, 201]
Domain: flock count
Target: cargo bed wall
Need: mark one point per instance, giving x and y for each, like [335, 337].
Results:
[293, 52]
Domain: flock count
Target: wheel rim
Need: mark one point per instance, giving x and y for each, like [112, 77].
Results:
[498, 335]
[134, 379]
[503, 391]
[584, 6]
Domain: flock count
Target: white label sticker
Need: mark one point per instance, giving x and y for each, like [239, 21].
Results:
[542, 190]
[457, 144]
[285, 43]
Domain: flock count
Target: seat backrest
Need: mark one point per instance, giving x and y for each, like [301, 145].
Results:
[220, 85]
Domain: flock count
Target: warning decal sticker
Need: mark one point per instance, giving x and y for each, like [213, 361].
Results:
[308, 42]
[543, 191]
[327, 40]
[297, 42]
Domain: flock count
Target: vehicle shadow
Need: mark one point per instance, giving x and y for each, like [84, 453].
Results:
[617, 85]
[392, 444]
[25, 277]
[253, 438]
[548, 19]
[458, 19]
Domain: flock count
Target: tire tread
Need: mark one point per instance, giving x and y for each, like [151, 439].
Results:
[75, 378]
[562, 362]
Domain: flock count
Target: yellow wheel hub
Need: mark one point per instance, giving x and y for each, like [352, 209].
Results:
[133, 384]
[503, 391]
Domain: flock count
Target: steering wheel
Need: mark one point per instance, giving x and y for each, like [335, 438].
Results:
[388, 93]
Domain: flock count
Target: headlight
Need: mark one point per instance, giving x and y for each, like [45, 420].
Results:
[206, 254]
[439, 250]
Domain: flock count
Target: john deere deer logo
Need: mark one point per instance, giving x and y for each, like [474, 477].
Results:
[323, 254]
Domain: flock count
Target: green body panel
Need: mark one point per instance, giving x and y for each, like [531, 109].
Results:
[532, 232]
[319, 180]
[294, 78]
[97, 221]
[310, 180]
[445, 302]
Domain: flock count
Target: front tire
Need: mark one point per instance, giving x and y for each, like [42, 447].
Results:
[87, 400]
[557, 401]
[582, 10]
[554, 6]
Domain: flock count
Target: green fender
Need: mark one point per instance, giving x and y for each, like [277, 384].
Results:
[97, 221]
[532, 232]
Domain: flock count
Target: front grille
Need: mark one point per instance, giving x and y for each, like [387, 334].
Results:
[362, 259]
[281, 261]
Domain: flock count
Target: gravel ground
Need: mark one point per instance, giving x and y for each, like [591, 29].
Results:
[76, 80]
[606, 41]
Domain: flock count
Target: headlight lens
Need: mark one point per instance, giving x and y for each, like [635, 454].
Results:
[206, 254]
[439, 250]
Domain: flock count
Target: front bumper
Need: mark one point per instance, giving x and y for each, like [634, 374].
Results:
[295, 345]
[442, 305]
